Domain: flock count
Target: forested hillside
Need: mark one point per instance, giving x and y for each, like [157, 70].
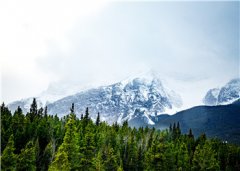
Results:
[38, 141]
[215, 121]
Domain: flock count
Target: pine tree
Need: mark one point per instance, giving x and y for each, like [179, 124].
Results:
[6, 131]
[33, 110]
[110, 161]
[98, 162]
[132, 153]
[40, 112]
[27, 158]
[72, 108]
[174, 131]
[178, 130]
[98, 119]
[43, 133]
[8, 158]
[45, 111]
[18, 128]
[86, 117]
[140, 158]
[47, 156]
[182, 157]
[170, 128]
[68, 153]
[61, 161]
[190, 134]
[87, 146]
[205, 158]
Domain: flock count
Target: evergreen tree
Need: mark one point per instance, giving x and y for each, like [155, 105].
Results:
[72, 108]
[18, 128]
[110, 159]
[45, 111]
[140, 159]
[40, 112]
[87, 147]
[190, 134]
[86, 117]
[132, 153]
[98, 162]
[98, 120]
[61, 161]
[6, 131]
[170, 128]
[183, 159]
[68, 152]
[33, 110]
[72, 144]
[8, 158]
[174, 131]
[27, 158]
[47, 156]
[205, 158]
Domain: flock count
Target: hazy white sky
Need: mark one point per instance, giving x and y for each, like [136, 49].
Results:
[98, 42]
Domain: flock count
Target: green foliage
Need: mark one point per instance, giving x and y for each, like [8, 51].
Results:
[27, 158]
[205, 158]
[68, 153]
[8, 158]
[18, 127]
[6, 131]
[33, 111]
[47, 156]
[61, 161]
[39, 141]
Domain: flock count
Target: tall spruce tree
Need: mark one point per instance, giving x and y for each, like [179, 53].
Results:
[33, 110]
[98, 119]
[205, 158]
[72, 110]
[8, 158]
[68, 153]
[61, 161]
[27, 158]
[6, 130]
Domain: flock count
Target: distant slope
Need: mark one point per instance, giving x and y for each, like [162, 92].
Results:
[216, 121]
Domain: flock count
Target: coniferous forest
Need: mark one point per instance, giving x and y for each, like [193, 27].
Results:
[38, 141]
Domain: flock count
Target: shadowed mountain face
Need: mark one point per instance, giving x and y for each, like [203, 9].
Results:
[216, 121]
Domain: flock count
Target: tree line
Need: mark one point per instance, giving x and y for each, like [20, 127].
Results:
[38, 141]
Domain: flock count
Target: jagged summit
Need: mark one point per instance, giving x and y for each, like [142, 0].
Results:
[224, 95]
[138, 99]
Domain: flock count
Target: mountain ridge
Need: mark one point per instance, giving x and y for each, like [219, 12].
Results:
[226, 94]
[125, 100]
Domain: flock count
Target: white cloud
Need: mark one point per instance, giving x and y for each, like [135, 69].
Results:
[26, 29]
[95, 42]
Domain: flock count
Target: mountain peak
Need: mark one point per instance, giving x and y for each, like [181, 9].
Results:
[227, 94]
[137, 99]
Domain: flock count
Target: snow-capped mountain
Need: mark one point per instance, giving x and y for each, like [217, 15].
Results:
[138, 99]
[54, 92]
[224, 95]
[211, 98]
